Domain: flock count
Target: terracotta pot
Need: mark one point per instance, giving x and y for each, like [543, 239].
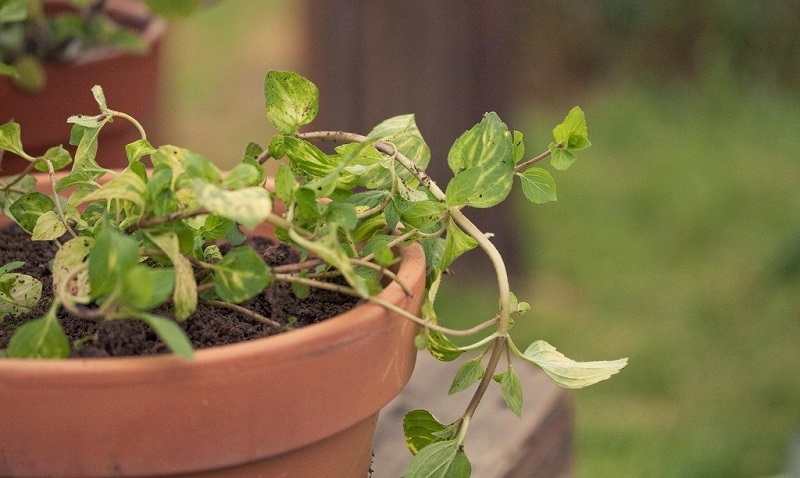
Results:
[130, 81]
[304, 403]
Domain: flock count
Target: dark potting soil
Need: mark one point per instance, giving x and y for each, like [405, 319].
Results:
[207, 327]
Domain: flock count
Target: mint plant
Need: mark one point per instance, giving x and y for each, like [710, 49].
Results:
[30, 34]
[132, 240]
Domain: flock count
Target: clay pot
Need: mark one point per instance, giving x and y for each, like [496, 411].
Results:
[304, 403]
[130, 79]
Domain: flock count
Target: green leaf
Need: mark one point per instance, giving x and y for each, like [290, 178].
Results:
[8, 197]
[538, 185]
[85, 170]
[216, 227]
[10, 139]
[241, 176]
[275, 146]
[483, 162]
[146, 287]
[19, 293]
[39, 338]
[126, 186]
[441, 348]
[403, 133]
[421, 429]
[519, 147]
[308, 158]
[292, 101]
[48, 227]
[285, 183]
[58, 157]
[248, 206]
[572, 132]
[561, 159]
[566, 372]
[138, 149]
[27, 209]
[184, 296]
[111, 255]
[170, 333]
[240, 275]
[13, 11]
[71, 256]
[512, 390]
[423, 214]
[444, 459]
[342, 214]
[11, 266]
[100, 97]
[301, 291]
[470, 372]
[457, 243]
[570, 135]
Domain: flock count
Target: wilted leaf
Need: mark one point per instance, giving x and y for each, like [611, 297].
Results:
[567, 372]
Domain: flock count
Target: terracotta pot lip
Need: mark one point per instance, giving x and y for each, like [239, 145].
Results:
[362, 320]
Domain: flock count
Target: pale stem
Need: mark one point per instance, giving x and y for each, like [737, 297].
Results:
[51, 172]
[523, 166]
[245, 311]
[383, 303]
[132, 120]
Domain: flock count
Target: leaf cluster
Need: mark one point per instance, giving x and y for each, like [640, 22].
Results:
[149, 236]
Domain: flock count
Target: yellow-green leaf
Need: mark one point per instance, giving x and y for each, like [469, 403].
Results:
[569, 373]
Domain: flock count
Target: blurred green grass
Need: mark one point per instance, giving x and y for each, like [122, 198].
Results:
[671, 243]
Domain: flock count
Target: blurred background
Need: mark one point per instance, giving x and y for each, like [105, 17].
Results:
[676, 237]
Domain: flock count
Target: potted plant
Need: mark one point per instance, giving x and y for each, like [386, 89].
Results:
[148, 246]
[52, 51]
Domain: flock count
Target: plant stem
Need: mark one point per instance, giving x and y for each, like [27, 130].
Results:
[383, 303]
[523, 166]
[383, 147]
[51, 172]
[132, 120]
[245, 311]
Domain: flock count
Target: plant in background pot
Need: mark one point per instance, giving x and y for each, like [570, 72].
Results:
[53, 51]
[147, 249]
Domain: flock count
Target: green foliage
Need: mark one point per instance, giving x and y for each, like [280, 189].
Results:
[153, 235]
[482, 160]
[569, 136]
[41, 338]
[18, 292]
[240, 275]
[443, 459]
[292, 101]
[470, 372]
[512, 389]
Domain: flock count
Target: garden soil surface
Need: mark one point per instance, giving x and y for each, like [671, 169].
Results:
[207, 327]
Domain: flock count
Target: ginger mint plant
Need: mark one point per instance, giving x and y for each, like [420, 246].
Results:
[132, 240]
[31, 33]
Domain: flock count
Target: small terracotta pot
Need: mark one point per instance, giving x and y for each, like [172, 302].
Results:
[130, 82]
[300, 404]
